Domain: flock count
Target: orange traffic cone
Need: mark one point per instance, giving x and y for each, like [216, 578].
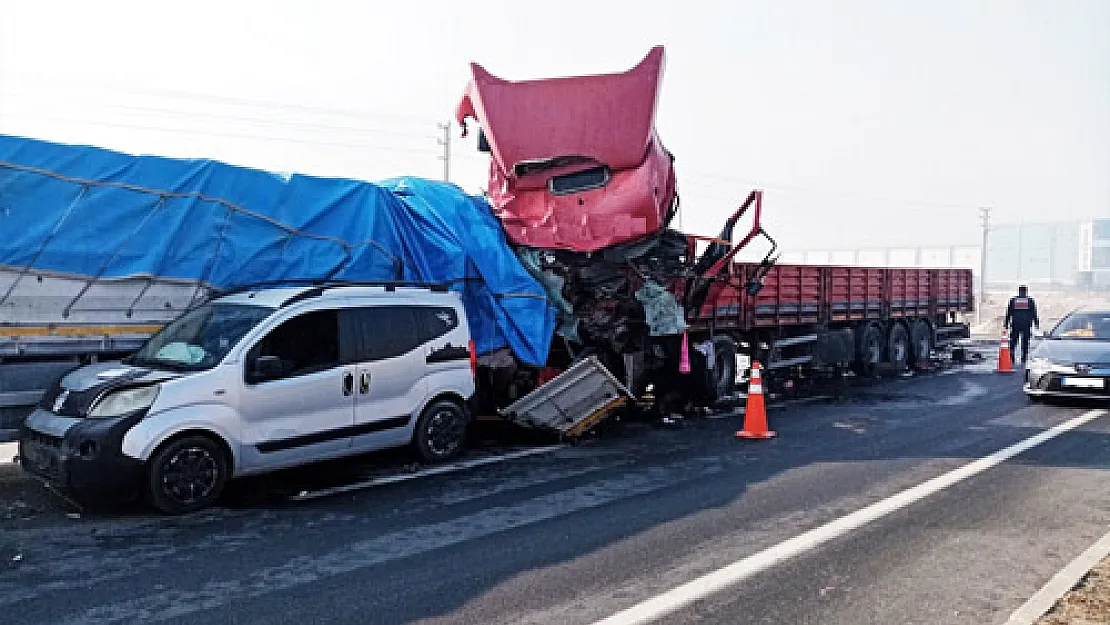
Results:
[755, 413]
[684, 356]
[1005, 362]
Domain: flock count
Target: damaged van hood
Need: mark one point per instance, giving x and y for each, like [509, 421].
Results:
[79, 389]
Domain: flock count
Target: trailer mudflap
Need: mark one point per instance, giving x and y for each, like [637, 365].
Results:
[571, 403]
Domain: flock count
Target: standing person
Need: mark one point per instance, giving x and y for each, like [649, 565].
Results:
[1021, 316]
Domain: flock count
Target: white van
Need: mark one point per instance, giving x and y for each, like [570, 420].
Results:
[258, 381]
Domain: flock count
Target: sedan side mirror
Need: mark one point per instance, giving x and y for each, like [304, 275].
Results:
[266, 368]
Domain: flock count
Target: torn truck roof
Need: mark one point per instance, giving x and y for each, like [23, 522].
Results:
[576, 162]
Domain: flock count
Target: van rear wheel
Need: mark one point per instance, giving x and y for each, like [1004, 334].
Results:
[186, 475]
[440, 433]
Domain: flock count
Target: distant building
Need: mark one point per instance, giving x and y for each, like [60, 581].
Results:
[1046, 254]
[1074, 254]
[1094, 257]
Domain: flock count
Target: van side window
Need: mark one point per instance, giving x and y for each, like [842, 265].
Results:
[385, 331]
[304, 344]
[436, 322]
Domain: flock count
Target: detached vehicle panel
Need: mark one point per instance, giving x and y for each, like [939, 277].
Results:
[255, 382]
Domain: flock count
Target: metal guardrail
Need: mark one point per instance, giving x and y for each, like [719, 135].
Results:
[19, 399]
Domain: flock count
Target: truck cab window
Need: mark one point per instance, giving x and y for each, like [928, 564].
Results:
[304, 344]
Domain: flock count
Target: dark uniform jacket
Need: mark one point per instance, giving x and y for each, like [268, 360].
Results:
[1022, 311]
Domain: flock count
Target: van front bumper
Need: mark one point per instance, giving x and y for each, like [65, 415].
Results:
[81, 457]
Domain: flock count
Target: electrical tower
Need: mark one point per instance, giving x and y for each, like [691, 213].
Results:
[446, 143]
[985, 220]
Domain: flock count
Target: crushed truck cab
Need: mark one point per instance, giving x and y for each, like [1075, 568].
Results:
[576, 162]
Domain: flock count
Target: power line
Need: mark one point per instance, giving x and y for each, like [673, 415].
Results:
[827, 192]
[261, 121]
[208, 133]
[233, 100]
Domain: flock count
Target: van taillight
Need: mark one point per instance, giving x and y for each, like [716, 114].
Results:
[473, 359]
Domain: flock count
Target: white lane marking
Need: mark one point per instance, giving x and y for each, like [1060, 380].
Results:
[1060, 584]
[440, 470]
[711, 583]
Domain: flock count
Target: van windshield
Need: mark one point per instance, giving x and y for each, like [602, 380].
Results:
[200, 338]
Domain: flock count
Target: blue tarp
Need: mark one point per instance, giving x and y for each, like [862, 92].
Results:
[94, 212]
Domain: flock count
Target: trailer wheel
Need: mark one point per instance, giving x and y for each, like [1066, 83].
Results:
[921, 343]
[724, 366]
[898, 347]
[869, 350]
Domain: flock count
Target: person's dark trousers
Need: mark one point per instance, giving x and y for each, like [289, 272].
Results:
[1022, 333]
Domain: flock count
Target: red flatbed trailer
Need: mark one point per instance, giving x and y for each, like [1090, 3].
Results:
[829, 315]
[803, 320]
[801, 295]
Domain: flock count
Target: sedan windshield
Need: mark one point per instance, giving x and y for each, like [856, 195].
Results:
[200, 338]
[1095, 326]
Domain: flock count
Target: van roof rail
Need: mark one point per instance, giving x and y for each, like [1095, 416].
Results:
[321, 285]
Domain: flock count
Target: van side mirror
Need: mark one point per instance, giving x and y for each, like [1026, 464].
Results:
[266, 368]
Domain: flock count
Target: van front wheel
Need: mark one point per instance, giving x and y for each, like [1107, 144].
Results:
[441, 431]
[186, 475]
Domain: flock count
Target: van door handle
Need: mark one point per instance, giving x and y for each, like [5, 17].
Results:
[364, 383]
[348, 384]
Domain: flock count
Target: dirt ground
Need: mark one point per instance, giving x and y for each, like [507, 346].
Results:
[1086, 604]
[1051, 306]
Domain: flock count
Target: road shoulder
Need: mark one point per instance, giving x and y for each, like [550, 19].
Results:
[1079, 593]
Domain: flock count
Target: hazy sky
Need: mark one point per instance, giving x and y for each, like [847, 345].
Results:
[880, 122]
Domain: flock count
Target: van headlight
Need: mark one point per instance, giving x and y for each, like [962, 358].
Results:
[1045, 365]
[119, 403]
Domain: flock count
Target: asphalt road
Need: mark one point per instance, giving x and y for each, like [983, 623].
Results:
[582, 533]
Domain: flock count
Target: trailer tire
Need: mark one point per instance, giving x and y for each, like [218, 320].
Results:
[921, 343]
[869, 350]
[724, 366]
[898, 347]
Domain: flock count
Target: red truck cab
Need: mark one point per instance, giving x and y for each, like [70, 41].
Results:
[575, 163]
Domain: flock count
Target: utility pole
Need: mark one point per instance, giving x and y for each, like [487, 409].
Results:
[985, 219]
[446, 143]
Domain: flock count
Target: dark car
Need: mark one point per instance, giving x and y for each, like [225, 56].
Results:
[1073, 360]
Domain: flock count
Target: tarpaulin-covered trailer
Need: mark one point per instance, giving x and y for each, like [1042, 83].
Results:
[98, 249]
